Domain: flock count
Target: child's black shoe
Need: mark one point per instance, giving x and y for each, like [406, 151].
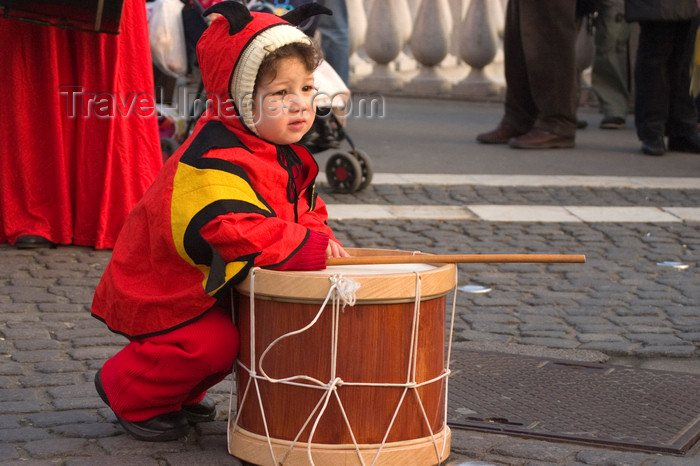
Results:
[161, 428]
[203, 411]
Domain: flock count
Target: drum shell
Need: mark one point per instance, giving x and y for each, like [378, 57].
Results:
[373, 346]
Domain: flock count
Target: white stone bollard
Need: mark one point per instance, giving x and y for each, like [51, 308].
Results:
[478, 47]
[357, 25]
[585, 50]
[430, 44]
[406, 10]
[383, 43]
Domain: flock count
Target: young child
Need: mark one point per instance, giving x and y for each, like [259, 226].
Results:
[237, 194]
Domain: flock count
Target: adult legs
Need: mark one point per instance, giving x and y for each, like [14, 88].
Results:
[539, 49]
[611, 63]
[335, 41]
[520, 108]
[683, 116]
[549, 39]
[652, 80]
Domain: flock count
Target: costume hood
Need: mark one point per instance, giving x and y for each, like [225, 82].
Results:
[233, 46]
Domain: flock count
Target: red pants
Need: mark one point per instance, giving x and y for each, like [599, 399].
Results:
[159, 374]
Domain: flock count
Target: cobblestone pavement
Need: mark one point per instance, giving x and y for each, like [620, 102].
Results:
[619, 304]
[620, 301]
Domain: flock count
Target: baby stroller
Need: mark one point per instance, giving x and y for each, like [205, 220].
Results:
[346, 171]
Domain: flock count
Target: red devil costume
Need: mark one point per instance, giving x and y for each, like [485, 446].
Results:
[226, 201]
[80, 133]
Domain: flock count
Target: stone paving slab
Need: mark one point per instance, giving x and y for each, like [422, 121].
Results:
[570, 195]
[539, 181]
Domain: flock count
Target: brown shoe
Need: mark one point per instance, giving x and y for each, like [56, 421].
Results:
[500, 135]
[539, 139]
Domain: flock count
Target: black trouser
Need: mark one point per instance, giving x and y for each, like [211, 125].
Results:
[540, 66]
[663, 105]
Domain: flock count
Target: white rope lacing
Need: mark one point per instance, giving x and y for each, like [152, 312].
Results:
[341, 293]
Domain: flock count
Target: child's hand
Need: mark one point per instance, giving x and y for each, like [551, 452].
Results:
[335, 250]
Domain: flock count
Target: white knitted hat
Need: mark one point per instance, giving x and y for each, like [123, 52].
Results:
[248, 63]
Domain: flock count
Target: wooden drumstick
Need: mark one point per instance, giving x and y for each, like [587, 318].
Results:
[457, 259]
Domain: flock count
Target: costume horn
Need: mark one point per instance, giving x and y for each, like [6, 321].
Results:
[305, 11]
[235, 13]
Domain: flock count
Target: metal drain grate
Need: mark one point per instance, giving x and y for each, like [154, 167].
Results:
[589, 403]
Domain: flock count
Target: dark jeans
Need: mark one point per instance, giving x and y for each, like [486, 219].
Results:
[663, 105]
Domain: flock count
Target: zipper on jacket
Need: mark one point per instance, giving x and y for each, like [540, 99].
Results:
[290, 161]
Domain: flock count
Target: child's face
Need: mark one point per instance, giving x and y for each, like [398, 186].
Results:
[284, 107]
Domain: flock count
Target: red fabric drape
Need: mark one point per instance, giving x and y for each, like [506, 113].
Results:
[80, 137]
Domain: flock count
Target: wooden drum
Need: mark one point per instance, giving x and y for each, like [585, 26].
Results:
[322, 383]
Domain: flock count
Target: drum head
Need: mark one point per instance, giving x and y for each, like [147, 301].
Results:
[384, 282]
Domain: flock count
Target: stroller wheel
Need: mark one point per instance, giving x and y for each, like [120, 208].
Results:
[366, 165]
[344, 172]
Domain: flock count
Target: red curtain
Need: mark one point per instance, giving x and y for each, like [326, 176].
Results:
[79, 133]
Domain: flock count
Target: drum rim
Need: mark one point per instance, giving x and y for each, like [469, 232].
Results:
[444, 433]
[364, 302]
[296, 286]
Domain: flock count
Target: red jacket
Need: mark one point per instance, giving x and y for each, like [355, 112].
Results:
[224, 202]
